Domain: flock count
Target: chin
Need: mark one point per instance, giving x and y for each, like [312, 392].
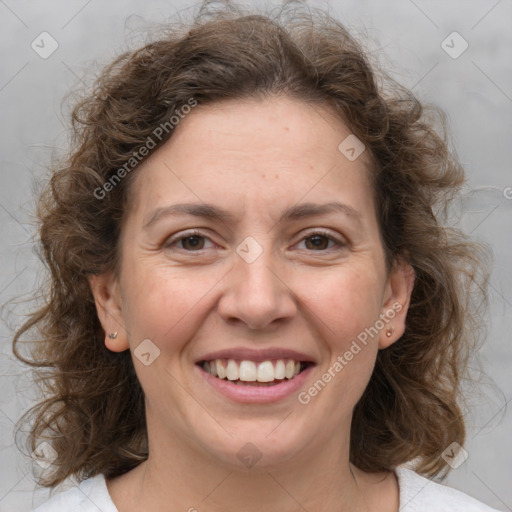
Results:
[265, 446]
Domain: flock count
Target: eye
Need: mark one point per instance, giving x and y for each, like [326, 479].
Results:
[320, 240]
[191, 242]
[195, 241]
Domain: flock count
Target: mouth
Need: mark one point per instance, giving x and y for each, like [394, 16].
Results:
[255, 376]
[246, 372]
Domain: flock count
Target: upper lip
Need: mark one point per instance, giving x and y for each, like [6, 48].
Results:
[257, 355]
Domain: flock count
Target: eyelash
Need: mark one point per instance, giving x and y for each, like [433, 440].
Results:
[196, 233]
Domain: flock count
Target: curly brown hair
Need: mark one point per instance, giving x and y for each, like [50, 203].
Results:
[93, 412]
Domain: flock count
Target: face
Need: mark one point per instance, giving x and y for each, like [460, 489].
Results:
[252, 243]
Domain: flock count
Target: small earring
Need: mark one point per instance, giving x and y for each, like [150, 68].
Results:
[390, 331]
[113, 335]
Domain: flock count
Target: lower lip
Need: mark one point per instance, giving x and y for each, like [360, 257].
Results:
[256, 394]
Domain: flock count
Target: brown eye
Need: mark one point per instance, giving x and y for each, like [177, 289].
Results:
[322, 241]
[317, 242]
[191, 243]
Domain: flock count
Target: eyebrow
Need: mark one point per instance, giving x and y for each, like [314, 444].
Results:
[209, 211]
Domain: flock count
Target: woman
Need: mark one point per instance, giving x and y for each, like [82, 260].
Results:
[253, 305]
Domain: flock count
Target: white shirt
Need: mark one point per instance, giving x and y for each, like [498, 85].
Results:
[417, 494]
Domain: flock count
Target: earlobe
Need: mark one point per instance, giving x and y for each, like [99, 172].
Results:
[105, 290]
[117, 341]
[396, 305]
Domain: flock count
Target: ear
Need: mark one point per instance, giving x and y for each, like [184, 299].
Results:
[396, 303]
[105, 289]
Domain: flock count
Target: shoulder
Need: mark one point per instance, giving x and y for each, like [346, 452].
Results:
[89, 496]
[419, 494]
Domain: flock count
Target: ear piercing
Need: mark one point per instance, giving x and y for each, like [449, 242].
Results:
[113, 335]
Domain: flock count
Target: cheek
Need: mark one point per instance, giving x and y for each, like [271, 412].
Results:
[345, 301]
[163, 303]
[345, 307]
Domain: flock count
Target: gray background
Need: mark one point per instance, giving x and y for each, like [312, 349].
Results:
[475, 90]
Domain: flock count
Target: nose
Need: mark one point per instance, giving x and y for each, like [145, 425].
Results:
[256, 294]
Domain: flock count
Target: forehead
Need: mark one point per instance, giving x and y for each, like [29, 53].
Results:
[277, 149]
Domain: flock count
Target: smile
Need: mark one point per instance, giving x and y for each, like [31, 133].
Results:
[247, 373]
[255, 382]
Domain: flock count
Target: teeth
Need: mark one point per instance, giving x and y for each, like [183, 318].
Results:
[250, 371]
[221, 371]
[266, 372]
[232, 370]
[290, 369]
[280, 369]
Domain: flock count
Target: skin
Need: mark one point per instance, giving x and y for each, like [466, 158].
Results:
[254, 158]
